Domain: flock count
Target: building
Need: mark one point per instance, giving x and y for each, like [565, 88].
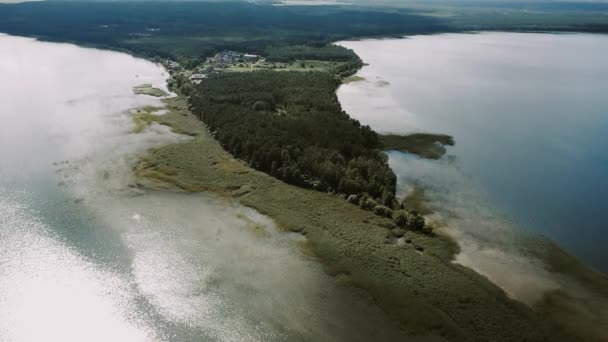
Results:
[172, 65]
[250, 57]
[227, 57]
[206, 70]
[197, 78]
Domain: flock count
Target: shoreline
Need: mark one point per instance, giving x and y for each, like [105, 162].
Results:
[578, 287]
[412, 278]
[551, 301]
[238, 187]
[359, 237]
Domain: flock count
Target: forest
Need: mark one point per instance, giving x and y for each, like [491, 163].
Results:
[302, 52]
[200, 29]
[195, 30]
[291, 125]
[190, 31]
[288, 124]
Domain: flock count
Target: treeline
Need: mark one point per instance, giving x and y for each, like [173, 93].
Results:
[349, 68]
[299, 52]
[291, 125]
[170, 29]
[348, 60]
[192, 29]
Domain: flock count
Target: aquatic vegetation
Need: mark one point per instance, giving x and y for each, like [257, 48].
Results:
[414, 281]
[352, 79]
[148, 89]
[427, 145]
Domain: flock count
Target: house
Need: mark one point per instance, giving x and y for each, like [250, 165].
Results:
[250, 57]
[197, 78]
[206, 70]
[227, 57]
[172, 65]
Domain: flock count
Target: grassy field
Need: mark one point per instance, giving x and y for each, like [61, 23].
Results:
[409, 275]
[300, 65]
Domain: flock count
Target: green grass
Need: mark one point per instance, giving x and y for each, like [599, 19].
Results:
[415, 282]
[147, 89]
[143, 116]
[352, 79]
[178, 117]
[142, 120]
[302, 66]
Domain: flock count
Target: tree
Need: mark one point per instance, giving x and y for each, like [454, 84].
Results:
[388, 198]
[401, 218]
[312, 143]
[382, 210]
[416, 222]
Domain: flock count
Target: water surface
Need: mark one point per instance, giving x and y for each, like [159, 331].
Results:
[529, 114]
[86, 255]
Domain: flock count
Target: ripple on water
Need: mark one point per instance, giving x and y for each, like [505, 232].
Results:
[48, 292]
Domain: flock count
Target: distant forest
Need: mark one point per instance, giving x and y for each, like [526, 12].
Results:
[195, 30]
[200, 29]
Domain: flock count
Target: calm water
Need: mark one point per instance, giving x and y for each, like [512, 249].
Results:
[529, 114]
[84, 256]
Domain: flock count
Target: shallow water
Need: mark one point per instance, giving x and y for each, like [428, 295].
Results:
[87, 256]
[528, 112]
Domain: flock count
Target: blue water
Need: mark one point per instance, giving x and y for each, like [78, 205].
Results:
[529, 114]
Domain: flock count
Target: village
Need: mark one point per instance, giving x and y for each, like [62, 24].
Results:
[221, 62]
[232, 61]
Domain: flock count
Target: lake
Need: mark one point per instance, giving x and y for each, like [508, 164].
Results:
[87, 255]
[529, 115]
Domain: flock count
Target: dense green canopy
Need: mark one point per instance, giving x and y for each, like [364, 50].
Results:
[291, 125]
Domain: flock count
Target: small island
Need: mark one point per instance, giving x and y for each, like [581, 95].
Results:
[148, 89]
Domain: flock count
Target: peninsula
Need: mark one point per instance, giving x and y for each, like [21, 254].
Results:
[256, 95]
